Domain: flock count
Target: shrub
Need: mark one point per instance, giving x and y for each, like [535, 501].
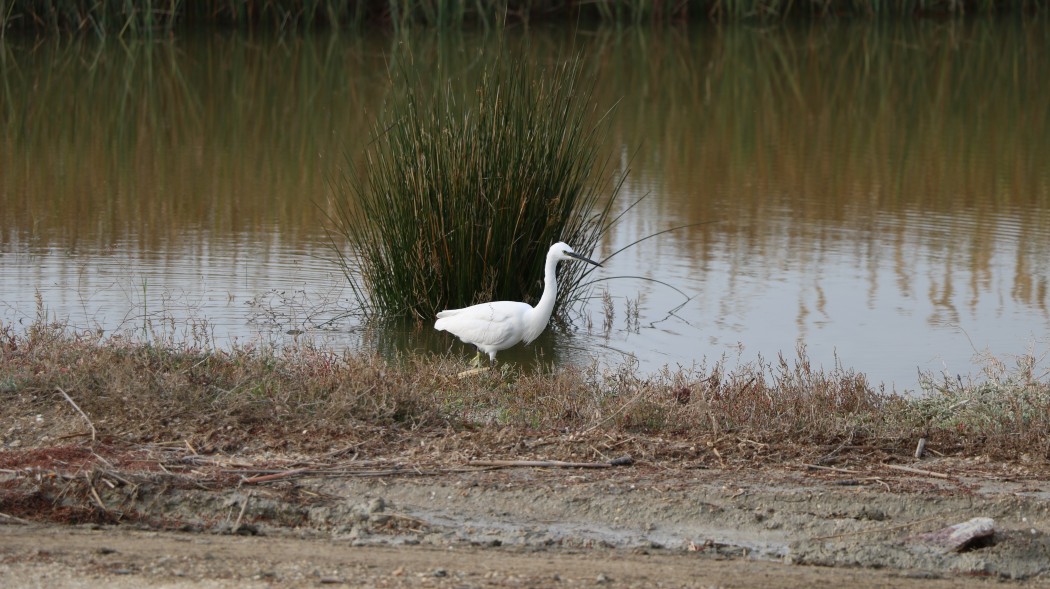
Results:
[462, 193]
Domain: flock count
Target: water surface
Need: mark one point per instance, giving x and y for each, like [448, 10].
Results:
[880, 194]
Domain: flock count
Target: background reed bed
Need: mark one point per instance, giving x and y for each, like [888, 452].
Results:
[150, 17]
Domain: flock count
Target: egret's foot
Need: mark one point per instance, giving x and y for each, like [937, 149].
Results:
[480, 365]
[472, 371]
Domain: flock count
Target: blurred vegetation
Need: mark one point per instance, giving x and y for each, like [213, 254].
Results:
[151, 17]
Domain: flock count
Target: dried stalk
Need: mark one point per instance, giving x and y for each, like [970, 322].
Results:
[79, 410]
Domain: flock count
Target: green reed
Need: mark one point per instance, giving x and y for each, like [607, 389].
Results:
[466, 187]
[148, 17]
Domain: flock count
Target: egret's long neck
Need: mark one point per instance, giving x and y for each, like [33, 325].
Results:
[541, 313]
[550, 288]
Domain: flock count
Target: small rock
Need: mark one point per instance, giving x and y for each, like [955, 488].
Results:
[440, 573]
[978, 531]
[603, 579]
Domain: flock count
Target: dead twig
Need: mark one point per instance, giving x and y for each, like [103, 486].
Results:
[95, 495]
[830, 468]
[611, 416]
[928, 473]
[831, 455]
[79, 410]
[624, 461]
[275, 476]
[334, 473]
[7, 518]
[244, 507]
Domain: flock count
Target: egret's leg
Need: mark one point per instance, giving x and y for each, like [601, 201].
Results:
[478, 367]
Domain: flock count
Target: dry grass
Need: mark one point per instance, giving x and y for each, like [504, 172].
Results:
[308, 400]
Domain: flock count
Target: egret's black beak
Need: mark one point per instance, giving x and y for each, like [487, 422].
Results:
[579, 257]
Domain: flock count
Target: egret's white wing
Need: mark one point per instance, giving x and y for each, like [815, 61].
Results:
[497, 325]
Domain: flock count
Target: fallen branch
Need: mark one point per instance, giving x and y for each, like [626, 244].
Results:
[928, 473]
[244, 507]
[4, 517]
[831, 468]
[624, 461]
[79, 410]
[95, 495]
[334, 473]
[274, 476]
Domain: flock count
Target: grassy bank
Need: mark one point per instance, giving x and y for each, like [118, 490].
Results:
[119, 17]
[60, 388]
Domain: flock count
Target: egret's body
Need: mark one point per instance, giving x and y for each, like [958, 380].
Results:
[499, 325]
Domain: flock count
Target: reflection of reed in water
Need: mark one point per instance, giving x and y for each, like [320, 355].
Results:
[222, 134]
[907, 144]
[895, 140]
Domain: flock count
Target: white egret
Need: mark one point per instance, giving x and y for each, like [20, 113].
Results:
[499, 325]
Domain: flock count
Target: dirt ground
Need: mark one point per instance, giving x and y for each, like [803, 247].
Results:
[85, 516]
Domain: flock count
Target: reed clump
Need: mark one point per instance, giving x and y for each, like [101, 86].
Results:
[466, 187]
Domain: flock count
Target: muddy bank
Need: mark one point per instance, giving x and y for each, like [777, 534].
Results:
[789, 518]
[61, 557]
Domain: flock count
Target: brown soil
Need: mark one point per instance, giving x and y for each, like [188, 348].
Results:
[83, 515]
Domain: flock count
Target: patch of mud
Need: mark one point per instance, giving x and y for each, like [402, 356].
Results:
[784, 521]
[1015, 554]
[775, 516]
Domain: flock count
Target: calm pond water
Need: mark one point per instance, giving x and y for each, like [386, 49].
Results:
[878, 193]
